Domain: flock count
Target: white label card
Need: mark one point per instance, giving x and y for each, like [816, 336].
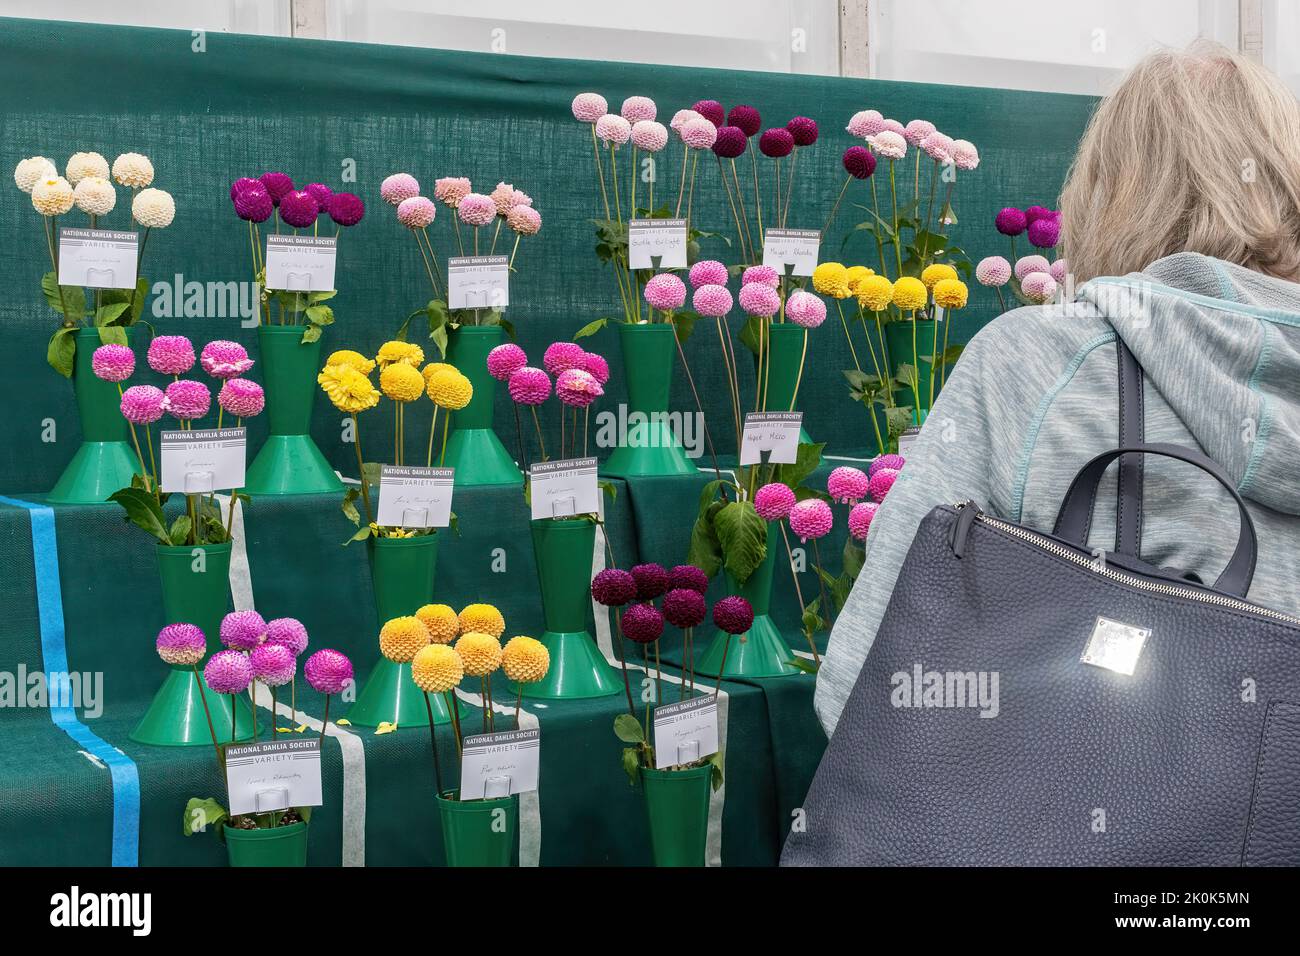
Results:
[562, 489]
[98, 258]
[273, 775]
[500, 764]
[774, 432]
[201, 461]
[411, 497]
[907, 440]
[300, 263]
[478, 282]
[797, 248]
[685, 731]
[649, 240]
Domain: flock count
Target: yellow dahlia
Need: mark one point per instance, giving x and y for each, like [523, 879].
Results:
[932, 274]
[434, 367]
[442, 622]
[95, 196]
[405, 352]
[52, 196]
[525, 660]
[950, 293]
[875, 292]
[909, 293]
[153, 208]
[479, 653]
[449, 389]
[355, 359]
[348, 389]
[483, 618]
[856, 274]
[436, 669]
[831, 278]
[31, 171]
[133, 170]
[401, 638]
[401, 382]
[81, 165]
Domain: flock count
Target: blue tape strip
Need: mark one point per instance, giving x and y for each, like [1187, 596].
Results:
[54, 653]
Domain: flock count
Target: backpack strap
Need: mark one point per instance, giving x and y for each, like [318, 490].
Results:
[1128, 507]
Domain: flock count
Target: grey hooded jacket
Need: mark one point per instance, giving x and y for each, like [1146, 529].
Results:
[1035, 396]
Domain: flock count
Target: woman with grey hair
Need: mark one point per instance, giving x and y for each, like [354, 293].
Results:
[1181, 219]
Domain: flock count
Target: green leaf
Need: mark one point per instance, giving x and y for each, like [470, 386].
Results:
[439, 336]
[684, 323]
[805, 463]
[143, 511]
[743, 537]
[609, 488]
[73, 295]
[715, 761]
[628, 729]
[591, 328]
[109, 314]
[320, 315]
[180, 530]
[304, 812]
[899, 419]
[803, 664]
[632, 764]
[705, 550]
[853, 558]
[310, 333]
[112, 335]
[350, 506]
[315, 297]
[200, 814]
[61, 353]
[750, 332]
[361, 535]
[812, 620]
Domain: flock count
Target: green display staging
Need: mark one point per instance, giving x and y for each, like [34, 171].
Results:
[402, 570]
[275, 846]
[677, 804]
[473, 448]
[105, 460]
[782, 377]
[762, 652]
[289, 463]
[196, 590]
[899, 337]
[649, 447]
[476, 833]
[564, 548]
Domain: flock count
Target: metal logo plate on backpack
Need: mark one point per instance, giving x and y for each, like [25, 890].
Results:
[1115, 645]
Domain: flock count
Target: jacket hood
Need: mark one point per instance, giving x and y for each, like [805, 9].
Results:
[1222, 345]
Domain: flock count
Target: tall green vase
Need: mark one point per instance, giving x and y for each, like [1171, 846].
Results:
[195, 590]
[677, 804]
[289, 463]
[104, 461]
[276, 846]
[403, 571]
[899, 337]
[649, 446]
[782, 377]
[762, 651]
[479, 832]
[563, 548]
[473, 448]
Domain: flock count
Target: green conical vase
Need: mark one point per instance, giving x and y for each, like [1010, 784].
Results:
[195, 590]
[899, 337]
[275, 846]
[476, 833]
[473, 448]
[677, 804]
[289, 463]
[563, 548]
[782, 376]
[403, 571]
[648, 446]
[105, 460]
[762, 651]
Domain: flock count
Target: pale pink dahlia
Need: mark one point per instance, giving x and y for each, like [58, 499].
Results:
[223, 359]
[759, 299]
[917, 130]
[681, 117]
[328, 671]
[416, 212]
[577, 387]
[504, 360]
[964, 154]
[1038, 287]
[524, 220]
[707, 272]
[848, 485]
[113, 362]
[241, 398]
[398, 187]
[475, 209]
[712, 301]
[889, 144]
[893, 126]
[1059, 270]
[143, 404]
[637, 108]
[187, 399]
[860, 518]
[698, 133]
[764, 274]
[242, 630]
[649, 135]
[881, 482]
[938, 147]
[773, 501]
[613, 129]
[665, 292]
[589, 107]
[993, 271]
[1028, 264]
[597, 366]
[171, 354]
[503, 198]
[529, 386]
[865, 123]
[804, 308]
[181, 645]
[450, 190]
[811, 518]
[560, 356]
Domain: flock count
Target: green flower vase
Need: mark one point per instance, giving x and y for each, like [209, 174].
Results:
[762, 651]
[105, 460]
[289, 463]
[677, 805]
[648, 446]
[479, 832]
[563, 548]
[782, 376]
[195, 590]
[473, 447]
[899, 337]
[276, 846]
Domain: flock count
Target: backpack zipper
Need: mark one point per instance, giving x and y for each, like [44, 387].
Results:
[1052, 547]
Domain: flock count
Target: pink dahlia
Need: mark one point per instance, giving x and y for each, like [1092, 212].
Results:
[273, 664]
[698, 133]
[1060, 268]
[712, 301]
[730, 142]
[881, 482]
[681, 117]
[589, 107]
[319, 192]
[1038, 287]
[993, 271]
[397, 188]
[560, 356]
[865, 123]
[287, 632]
[143, 404]
[887, 460]
[773, 501]
[299, 209]
[734, 615]
[889, 144]
[228, 672]
[937, 146]
[1028, 264]
[577, 388]
[745, 118]
[651, 580]
[613, 129]
[804, 308]
[649, 135]
[416, 212]
[278, 185]
[113, 362]
[187, 399]
[346, 209]
[223, 359]
[859, 162]
[811, 518]
[254, 203]
[476, 210]
[964, 154]
[764, 274]
[242, 183]
[596, 366]
[638, 108]
[504, 360]
[181, 645]
[776, 142]
[860, 518]
[684, 608]
[241, 398]
[328, 671]
[171, 354]
[524, 220]
[893, 126]
[242, 630]
[917, 130]
[1045, 232]
[707, 272]
[688, 576]
[759, 299]
[643, 623]
[450, 190]
[503, 198]
[613, 587]
[803, 129]
[712, 111]
[529, 386]
[848, 485]
[665, 292]
[1010, 221]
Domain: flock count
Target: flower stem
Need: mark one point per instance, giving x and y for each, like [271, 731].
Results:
[433, 740]
[212, 730]
[361, 468]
